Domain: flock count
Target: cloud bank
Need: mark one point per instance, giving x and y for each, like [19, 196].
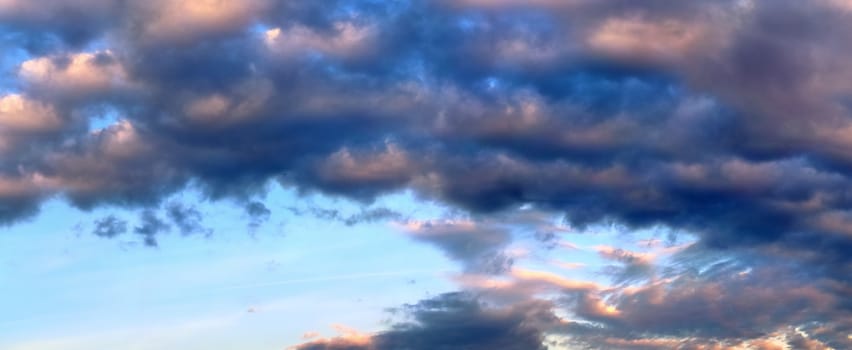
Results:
[729, 120]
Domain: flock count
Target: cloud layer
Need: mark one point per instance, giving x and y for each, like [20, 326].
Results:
[730, 120]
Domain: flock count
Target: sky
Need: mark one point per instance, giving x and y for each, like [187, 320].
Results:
[416, 174]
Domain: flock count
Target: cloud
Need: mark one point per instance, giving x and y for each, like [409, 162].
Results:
[187, 218]
[344, 40]
[21, 196]
[366, 172]
[186, 21]
[150, 225]
[75, 76]
[479, 247]
[19, 114]
[729, 120]
[365, 215]
[631, 265]
[258, 214]
[26, 122]
[724, 303]
[58, 23]
[700, 301]
[670, 309]
[453, 321]
[112, 165]
[372, 215]
[109, 227]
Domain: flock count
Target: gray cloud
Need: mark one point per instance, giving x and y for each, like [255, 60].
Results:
[109, 227]
[372, 215]
[455, 321]
[258, 214]
[150, 225]
[187, 218]
[478, 246]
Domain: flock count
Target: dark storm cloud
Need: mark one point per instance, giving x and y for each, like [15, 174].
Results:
[727, 119]
[455, 321]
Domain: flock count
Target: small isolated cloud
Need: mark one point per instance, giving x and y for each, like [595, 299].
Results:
[372, 215]
[110, 227]
[187, 218]
[258, 214]
[150, 225]
[364, 215]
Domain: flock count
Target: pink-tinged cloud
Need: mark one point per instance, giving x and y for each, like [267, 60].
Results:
[184, 21]
[78, 75]
[19, 114]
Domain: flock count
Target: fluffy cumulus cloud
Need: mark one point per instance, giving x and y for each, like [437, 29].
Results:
[729, 120]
